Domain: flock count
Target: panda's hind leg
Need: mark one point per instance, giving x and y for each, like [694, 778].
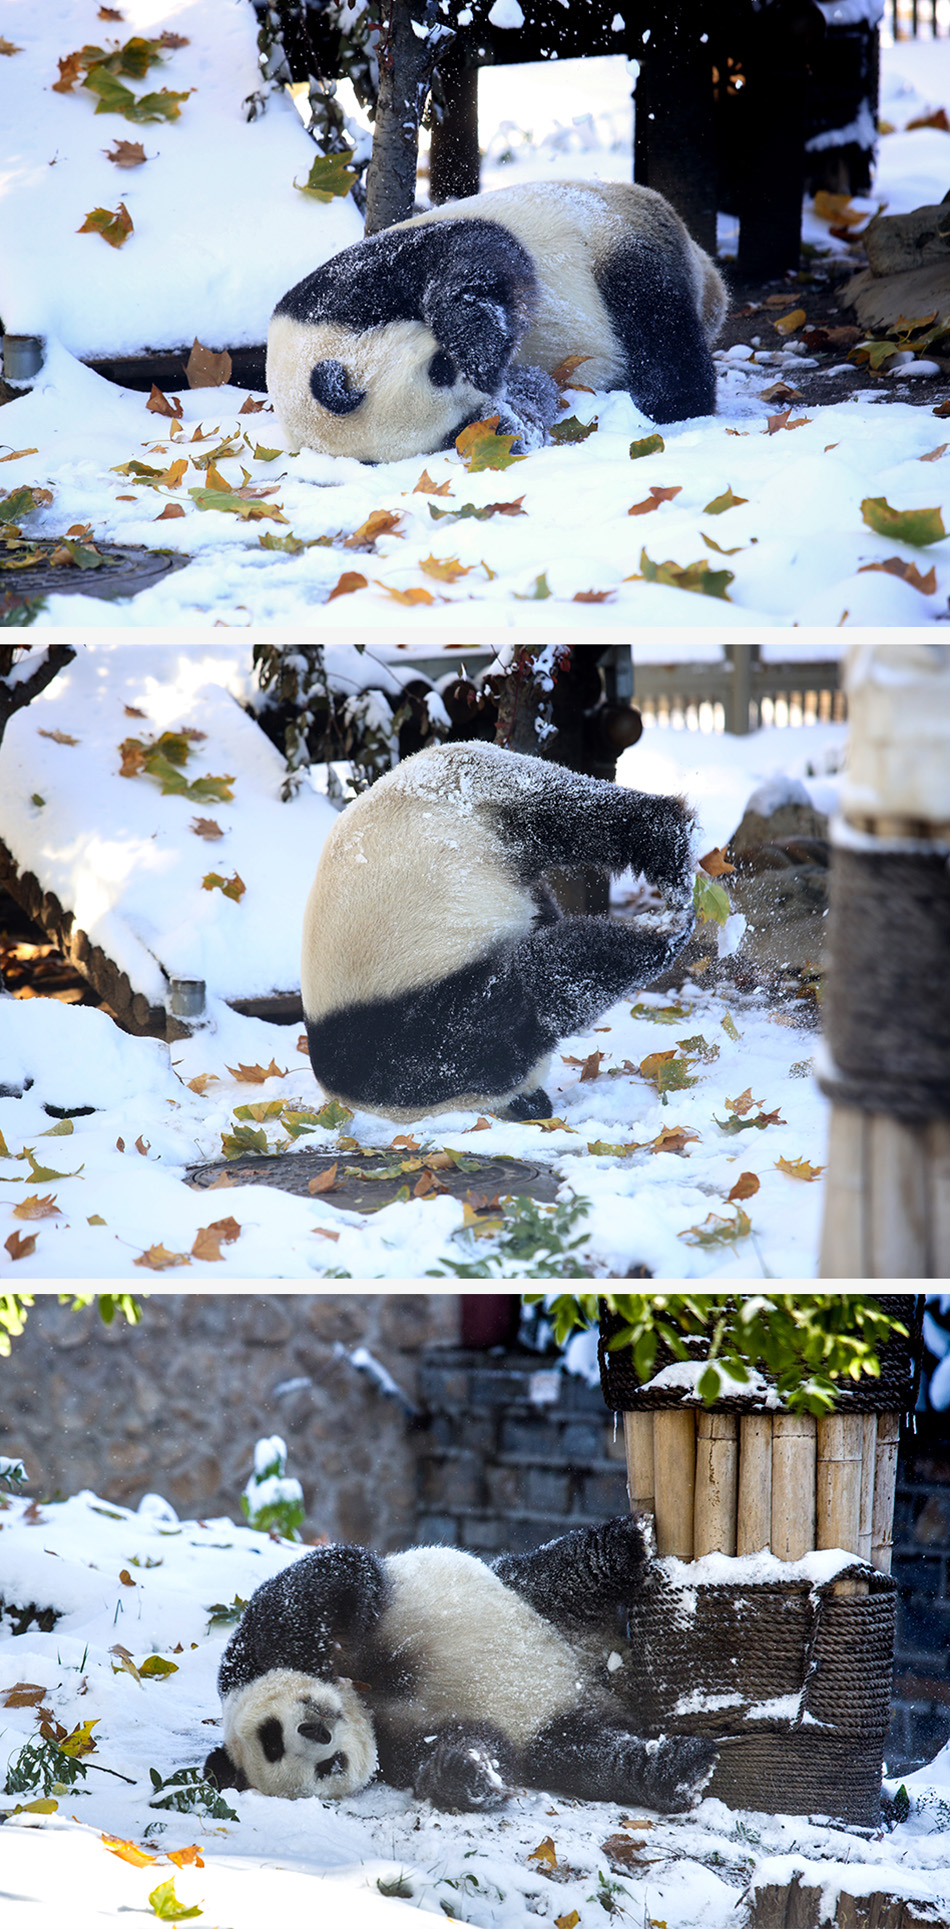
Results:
[647, 287]
[594, 1759]
[579, 1578]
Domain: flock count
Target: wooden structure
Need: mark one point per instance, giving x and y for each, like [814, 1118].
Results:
[886, 1050]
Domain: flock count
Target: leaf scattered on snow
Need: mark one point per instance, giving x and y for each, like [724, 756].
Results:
[166, 1905]
[330, 175]
[126, 154]
[381, 522]
[251, 406]
[776, 422]
[207, 828]
[168, 514]
[745, 1187]
[538, 593]
[545, 1852]
[647, 445]
[799, 1168]
[446, 569]
[717, 1231]
[720, 504]
[776, 392]
[907, 572]
[572, 430]
[469, 509]
[57, 736]
[590, 1066]
[114, 224]
[35, 1207]
[654, 499]
[23, 1694]
[206, 367]
[158, 1259]
[729, 1027]
[480, 447]
[933, 455]
[426, 487]
[407, 596]
[917, 526]
[256, 1074]
[230, 887]
[7, 47]
[350, 581]
[127, 1851]
[593, 595]
[159, 404]
[697, 577]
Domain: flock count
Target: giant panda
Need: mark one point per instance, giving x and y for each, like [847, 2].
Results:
[455, 1678]
[392, 347]
[437, 971]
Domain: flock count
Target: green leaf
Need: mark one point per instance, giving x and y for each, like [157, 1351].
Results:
[717, 1231]
[539, 591]
[267, 455]
[698, 1047]
[468, 510]
[661, 1014]
[63, 1129]
[481, 448]
[710, 900]
[166, 1906]
[692, 576]
[157, 1665]
[19, 503]
[291, 544]
[333, 1114]
[243, 1139]
[265, 1108]
[43, 1174]
[708, 1384]
[238, 502]
[572, 430]
[736, 549]
[114, 98]
[230, 887]
[330, 176]
[647, 445]
[720, 504]
[729, 1027]
[917, 526]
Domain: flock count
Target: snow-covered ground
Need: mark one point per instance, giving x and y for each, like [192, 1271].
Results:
[132, 1586]
[127, 858]
[795, 547]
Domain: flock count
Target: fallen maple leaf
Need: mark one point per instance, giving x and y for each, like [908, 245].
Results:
[593, 595]
[381, 522]
[142, 1146]
[745, 1186]
[743, 1104]
[933, 455]
[777, 392]
[330, 175]
[206, 1245]
[168, 514]
[563, 374]
[349, 581]
[159, 404]
[207, 367]
[907, 572]
[719, 504]
[407, 596]
[590, 1066]
[250, 406]
[917, 526]
[35, 1207]
[183, 1858]
[545, 1852]
[57, 736]
[480, 447]
[565, 1922]
[406, 1141]
[572, 429]
[717, 1231]
[481, 1125]
[446, 569]
[207, 828]
[426, 487]
[127, 1851]
[647, 445]
[654, 499]
[19, 1247]
[7, 47]
[201, 1082]
[231, 887]
[158, 1259]
[714, 863]
[23, 1694]
[114, 224]
[673, 1138]
[799, 1168]
[324, 1181]
[126, 153]
[256, 1074]
[776, 422]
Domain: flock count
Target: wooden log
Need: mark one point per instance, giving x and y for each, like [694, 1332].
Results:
[754, 1506]
[898, 1207]
[793, 1485]
[868, 1457]
[638, 1442]
[885, 1481]
[674, 1467]
[840, 1439]
[717, 1479]
[843, 1237]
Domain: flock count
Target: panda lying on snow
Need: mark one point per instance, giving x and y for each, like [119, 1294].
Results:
[437, 971]
[455, 1678]
[393, 346]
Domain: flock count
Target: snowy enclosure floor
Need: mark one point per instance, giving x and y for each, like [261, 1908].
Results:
[131, 1585]
[590, 531]
[115, 1176]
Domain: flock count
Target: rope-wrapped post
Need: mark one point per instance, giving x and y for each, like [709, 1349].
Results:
[885, 1055]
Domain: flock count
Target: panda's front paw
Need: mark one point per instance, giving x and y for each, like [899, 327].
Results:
[678, 1769]
[528, 406]
[460, 1772]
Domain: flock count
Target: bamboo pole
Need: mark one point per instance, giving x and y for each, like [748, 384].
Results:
[868, 1458]
[638, 1441]
[754, 1505]
[793, 1485]
[885, 1481]
[838, 1480]
[717, 1473]
[674, 1467]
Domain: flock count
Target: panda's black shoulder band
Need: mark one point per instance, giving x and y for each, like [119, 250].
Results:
[315, 1617]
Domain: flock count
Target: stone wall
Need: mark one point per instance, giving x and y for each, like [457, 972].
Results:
[176, 1404]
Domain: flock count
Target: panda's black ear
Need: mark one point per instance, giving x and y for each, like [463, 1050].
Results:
[330, 386]
[220, 1770]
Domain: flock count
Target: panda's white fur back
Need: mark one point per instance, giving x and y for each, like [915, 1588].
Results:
[412, 881]
[475, 1650]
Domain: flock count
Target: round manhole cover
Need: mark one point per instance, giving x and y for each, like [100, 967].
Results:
[365, 1181]
[47, 568]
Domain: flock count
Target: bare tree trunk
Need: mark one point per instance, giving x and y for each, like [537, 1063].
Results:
[408, 52]
[17, 692]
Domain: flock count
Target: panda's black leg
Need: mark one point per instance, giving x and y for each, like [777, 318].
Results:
[596, 1760]
[566, 820]
[580, 1577]
[569, 973]
[460, 1765]
[315, 1617]
[648, 292]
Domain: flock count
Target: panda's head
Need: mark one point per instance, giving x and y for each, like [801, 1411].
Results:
[377, 394]
[293, 1735]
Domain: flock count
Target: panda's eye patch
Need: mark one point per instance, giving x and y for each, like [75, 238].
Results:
[330, 386]
[442, 370]
[314, 1731]
[271, 1737]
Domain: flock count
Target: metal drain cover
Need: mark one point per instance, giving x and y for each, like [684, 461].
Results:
[125, 569]
[365, 1181]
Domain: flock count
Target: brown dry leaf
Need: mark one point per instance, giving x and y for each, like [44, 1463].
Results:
[325, 1232]
[36, 1208]
[251, 407]
[564, 372]
[57, 736]
[207, 828]
[19, 1247]
[624, 1849]
[654, 499]
[942, 409]
[114, 224]
[7, 47]
[673, 1138]
[837, 207]
[207, 367]
[590, 1066]
[221, 1182]
[799, 1168]
[120, 1145]
[23, 1694]
[159, 404]
[381, 522]
[256, 1074]
[125, 1577]
[407, 596]
[427, 1185]
[426, 487]
[776, 422]
[207, 1244]
[933, 455]
[937, 119]
[545, 1852]
[200, 1083]
[142, 1145]
[70, 67]
[593, 595]
[714, 863]
[324, 1181]
[302, 1044]
[745, 1186]
[112, 13]
[406, 1140]
[126, 154]
[15, 454]
[446, 569]
[158, 1259]
[349, 581]
[908, 573]
[502, 508]
[743, 1104]
[481, 1125]
[131, 711]
[781, 392]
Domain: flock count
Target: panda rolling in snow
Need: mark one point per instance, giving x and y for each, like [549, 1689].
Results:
[457, 1679]
[437, 971]
[391, 348]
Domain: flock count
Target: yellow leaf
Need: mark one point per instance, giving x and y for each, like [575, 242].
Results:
[545, 1852]
[445, 569]
[127, 1851]
[787, 324]
[799, 1168]
[480, 447]
[158, 1259]
[407, 596]
[185, 1858]
[36, 1208]
[114, 224]
[254, 1074]
[424, 487]
[381, 522]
